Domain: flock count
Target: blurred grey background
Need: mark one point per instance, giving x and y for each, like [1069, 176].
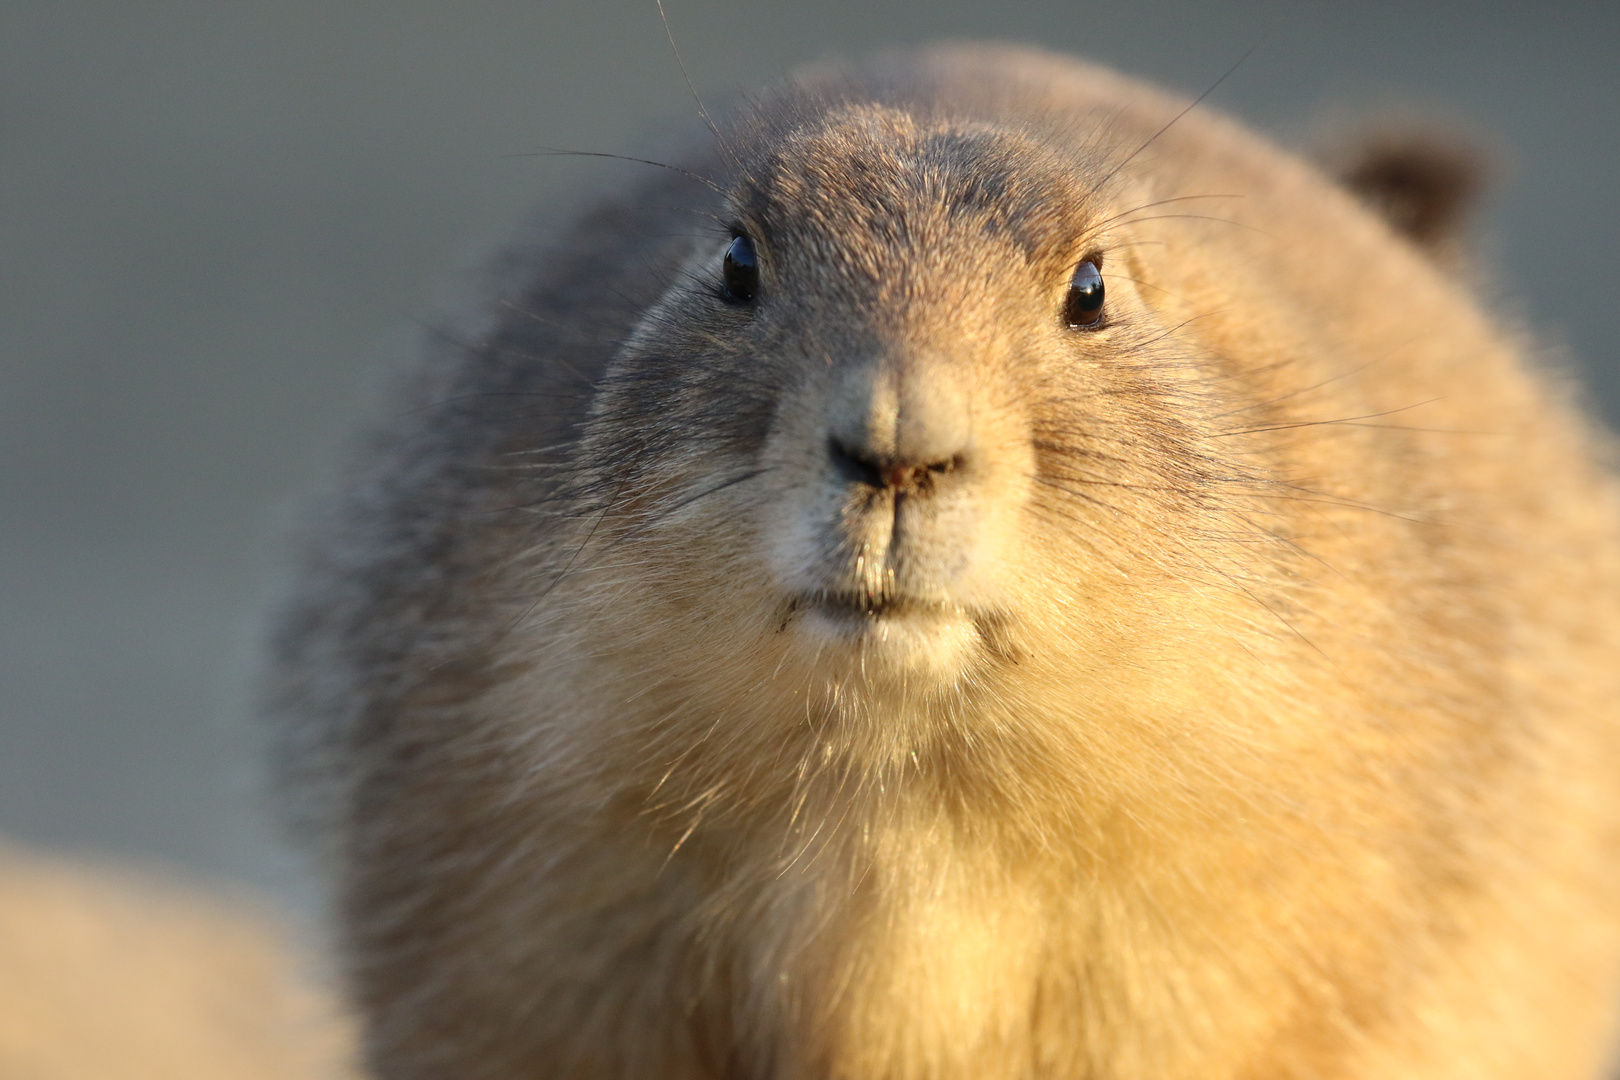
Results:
[219, 222]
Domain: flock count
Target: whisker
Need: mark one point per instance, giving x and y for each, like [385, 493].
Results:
[1349, 421]
[1097, 226]
[708, 121]
[1151, 139]
[552, 151]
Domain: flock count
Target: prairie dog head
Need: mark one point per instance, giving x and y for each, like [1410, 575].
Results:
[899, 416]
[966, 420]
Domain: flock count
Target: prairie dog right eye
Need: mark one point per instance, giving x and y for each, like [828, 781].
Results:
[1083, 307]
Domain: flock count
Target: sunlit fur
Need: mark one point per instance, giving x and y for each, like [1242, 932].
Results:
[1232, 695]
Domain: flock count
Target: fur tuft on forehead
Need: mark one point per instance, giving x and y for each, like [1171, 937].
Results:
[877, 171]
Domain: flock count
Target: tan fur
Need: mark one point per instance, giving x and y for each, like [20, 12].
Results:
[1236, 693]
[115, 977]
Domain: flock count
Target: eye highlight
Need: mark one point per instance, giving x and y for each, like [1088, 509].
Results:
[740, 272]
[1083, 306]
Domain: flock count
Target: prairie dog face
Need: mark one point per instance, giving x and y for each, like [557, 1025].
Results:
[892, 413]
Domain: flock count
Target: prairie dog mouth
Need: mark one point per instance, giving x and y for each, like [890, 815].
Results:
[921, 636]
[858, 604]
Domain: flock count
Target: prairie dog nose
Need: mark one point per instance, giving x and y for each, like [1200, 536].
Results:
[900, 430]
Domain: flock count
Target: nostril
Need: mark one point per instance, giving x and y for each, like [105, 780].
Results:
[859, 467]
[854, 466]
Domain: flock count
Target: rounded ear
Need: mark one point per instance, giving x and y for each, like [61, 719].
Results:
[1424, 181]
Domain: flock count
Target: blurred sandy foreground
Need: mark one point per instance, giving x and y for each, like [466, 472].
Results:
[113, 975]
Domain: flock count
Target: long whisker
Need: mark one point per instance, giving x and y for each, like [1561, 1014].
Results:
[1347, 420]
[1150, 205]
[552, 151]
[680, 62]
[1099, 185]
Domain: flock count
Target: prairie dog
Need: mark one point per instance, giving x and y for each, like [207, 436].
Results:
[975, 571]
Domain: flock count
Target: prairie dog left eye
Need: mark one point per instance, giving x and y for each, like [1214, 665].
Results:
[1083, 307]
[740, 270]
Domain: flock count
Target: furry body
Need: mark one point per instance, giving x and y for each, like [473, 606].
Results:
[1226, 691]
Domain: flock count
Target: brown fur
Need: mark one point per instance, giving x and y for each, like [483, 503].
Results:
[111, 976]
[1226, 692]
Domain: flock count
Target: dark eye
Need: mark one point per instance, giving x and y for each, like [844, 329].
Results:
[1084, 305]
[741, 270]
